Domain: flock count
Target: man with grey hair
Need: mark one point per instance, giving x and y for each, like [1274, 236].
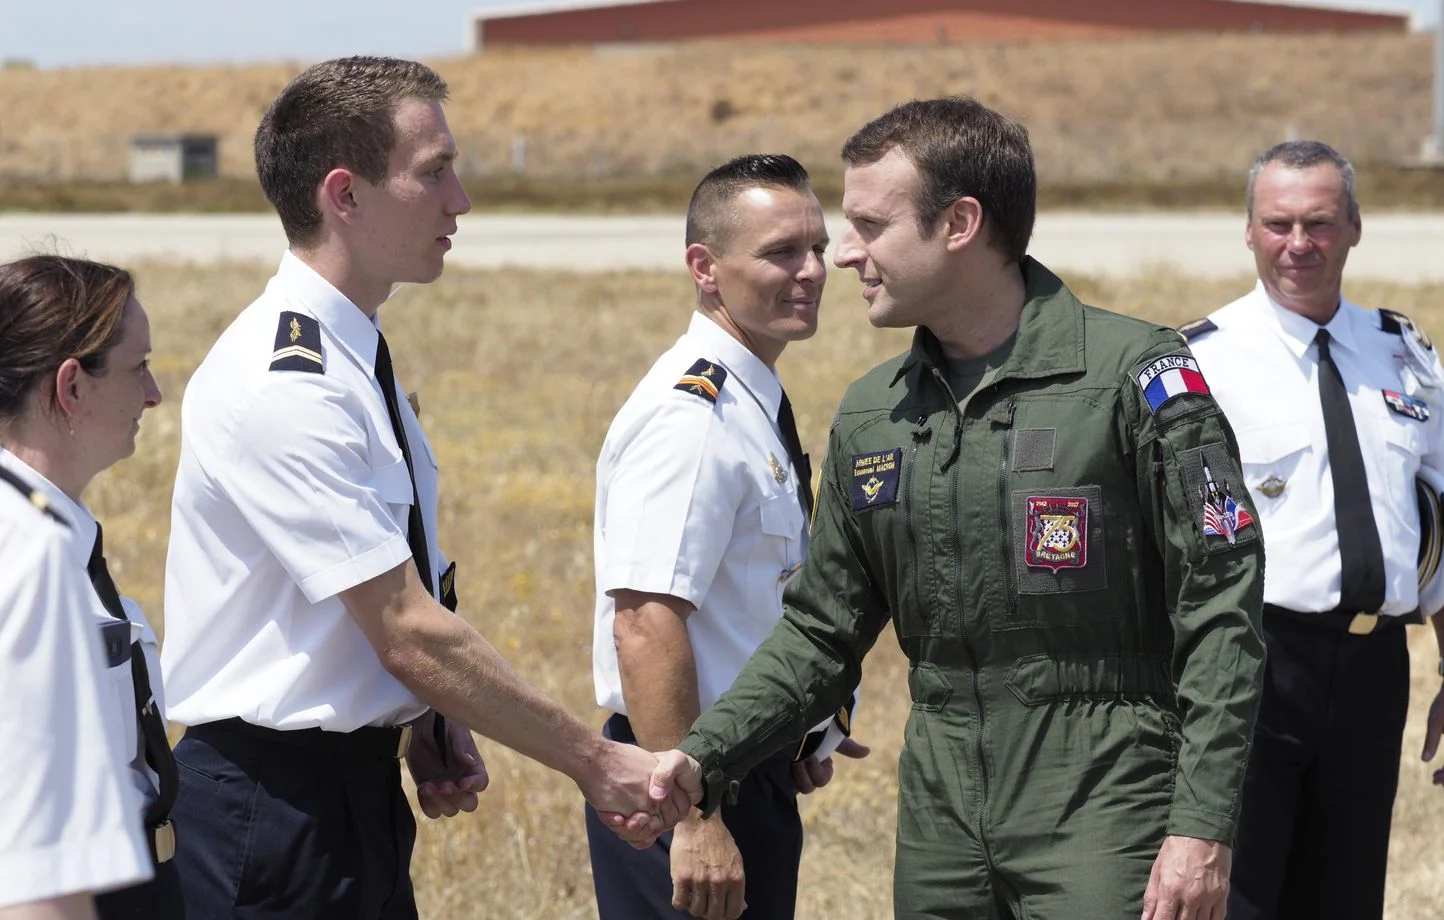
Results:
[1336, 409]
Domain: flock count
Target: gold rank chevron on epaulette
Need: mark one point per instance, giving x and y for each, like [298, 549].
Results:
[704, 379]
[298, 344]
[41, 503]
[1195, 328]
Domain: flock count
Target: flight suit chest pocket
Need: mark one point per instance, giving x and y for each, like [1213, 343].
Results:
[1058, 548]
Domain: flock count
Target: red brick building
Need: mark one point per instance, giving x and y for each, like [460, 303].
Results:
[554, 22]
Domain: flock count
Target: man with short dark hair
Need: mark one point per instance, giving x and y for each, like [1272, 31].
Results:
[1337, 410]
[703, 500]
[1042, 497]
[308, 629]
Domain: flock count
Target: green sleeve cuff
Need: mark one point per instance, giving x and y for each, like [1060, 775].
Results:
[1185, 822]
[717, 787]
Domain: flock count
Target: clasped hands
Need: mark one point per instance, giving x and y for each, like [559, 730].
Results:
[640, 796]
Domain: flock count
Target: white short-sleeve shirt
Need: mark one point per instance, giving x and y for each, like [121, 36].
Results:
[122, 721]
[69, 821]
[697, 499]
[1262, 366]
[291, 489]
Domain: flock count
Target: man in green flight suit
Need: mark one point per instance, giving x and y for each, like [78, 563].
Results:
[1045, 501]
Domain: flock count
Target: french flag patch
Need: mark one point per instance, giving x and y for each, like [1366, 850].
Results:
[1170, 376]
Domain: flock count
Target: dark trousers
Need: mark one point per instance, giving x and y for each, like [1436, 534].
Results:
[1313, 837]
[636, 884]
[273, 832]
[157, 899]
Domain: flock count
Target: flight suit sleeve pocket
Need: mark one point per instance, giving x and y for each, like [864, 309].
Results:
[1058, 540]
[1216, 500]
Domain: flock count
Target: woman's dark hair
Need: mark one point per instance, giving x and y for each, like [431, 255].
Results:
[53, 308]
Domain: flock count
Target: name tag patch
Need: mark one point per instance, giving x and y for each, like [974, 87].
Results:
[875, 479]
[1170, 376]
[1057, 528]
[1407, 406]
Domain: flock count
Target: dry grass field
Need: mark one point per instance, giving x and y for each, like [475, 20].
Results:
[519, 374]
[1142, 110]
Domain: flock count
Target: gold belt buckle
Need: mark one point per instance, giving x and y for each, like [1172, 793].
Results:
[403, 743]
[1363, 623]
[163, 838]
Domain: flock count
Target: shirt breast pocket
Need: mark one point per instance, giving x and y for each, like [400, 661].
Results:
[122, 718]
[1406, 445]
[392, 483]
[1270, 457]
[782, 516]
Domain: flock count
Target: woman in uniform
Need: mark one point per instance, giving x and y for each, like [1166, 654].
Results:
[74, 382]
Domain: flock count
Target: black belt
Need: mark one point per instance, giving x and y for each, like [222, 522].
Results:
[366, 743]
[1353, 622]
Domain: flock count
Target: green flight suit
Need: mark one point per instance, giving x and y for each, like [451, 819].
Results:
[1070, 563]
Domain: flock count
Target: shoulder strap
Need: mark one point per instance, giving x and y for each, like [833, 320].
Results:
[1195, 328]
[41, 503]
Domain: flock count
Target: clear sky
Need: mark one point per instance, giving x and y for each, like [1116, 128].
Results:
[54, 33]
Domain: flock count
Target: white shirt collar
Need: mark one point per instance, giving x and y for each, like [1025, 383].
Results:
[82, 522]
[1298, 332]
[749, 370]
[356, 331]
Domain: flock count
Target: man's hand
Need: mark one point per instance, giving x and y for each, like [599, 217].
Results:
[640, 796]
[1189, 881]
[445, 789]
[707, 877]
[813, 773]
[1433, 728]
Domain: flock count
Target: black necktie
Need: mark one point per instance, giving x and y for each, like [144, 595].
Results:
[157, 747]
[1360, 555]
[415, 529]
[801, 466]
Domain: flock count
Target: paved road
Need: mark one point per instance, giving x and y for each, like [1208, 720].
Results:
[1403, 247]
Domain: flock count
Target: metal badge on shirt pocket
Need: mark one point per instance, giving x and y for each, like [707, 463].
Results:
[875, 479]
[1407, 406]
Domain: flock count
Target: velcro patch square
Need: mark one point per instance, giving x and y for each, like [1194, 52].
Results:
[1171, 375]
[1057, 532]
[875, 479]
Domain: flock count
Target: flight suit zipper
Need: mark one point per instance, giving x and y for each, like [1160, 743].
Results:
[920, 434]
[1010, 598]
[958, 593]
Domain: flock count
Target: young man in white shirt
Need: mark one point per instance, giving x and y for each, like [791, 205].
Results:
[307, 598]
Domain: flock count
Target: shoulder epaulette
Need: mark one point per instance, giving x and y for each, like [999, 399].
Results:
[1196, 328]
[1396, 323]
[298, 344]
[704, 379]
[41, 503]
